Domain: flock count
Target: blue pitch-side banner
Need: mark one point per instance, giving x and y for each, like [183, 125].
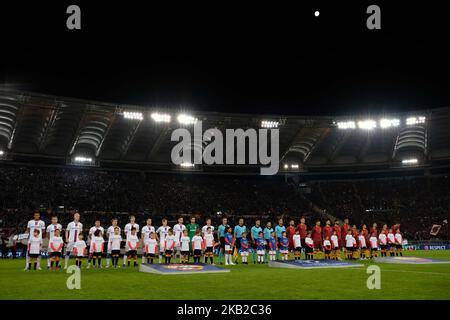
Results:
[313, 264]
[177, 268]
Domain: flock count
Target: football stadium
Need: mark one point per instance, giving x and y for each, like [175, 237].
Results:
[93, 206]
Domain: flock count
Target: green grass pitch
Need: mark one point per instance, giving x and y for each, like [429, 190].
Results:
[243, 282]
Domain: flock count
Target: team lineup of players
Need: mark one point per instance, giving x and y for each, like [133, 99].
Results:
[180, 242]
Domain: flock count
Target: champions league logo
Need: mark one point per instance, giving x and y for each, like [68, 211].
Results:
[184, 267]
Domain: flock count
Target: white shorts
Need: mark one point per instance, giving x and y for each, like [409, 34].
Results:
[244, 254]
[69, 247]
[284, 251]
[272, 252]
[260, 252]
[227, 247]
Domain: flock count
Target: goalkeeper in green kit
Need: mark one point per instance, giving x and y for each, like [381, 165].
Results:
[192, 230]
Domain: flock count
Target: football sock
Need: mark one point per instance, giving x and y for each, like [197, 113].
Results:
[125, 259]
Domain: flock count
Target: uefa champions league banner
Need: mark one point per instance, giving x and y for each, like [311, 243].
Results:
[440, 246]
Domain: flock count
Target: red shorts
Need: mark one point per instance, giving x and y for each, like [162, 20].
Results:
[317, 243]
[291, 245]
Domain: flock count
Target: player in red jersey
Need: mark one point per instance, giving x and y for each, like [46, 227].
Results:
[395, 227]
[317, 236]
[327, 230]
[374, 230]
[290, 231]
[355, 231]
[365, 232]
[344, 229]
[303, 229]
[337, 228]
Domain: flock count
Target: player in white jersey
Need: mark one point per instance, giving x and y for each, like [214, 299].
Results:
[145, 234]
[79, 249]
[208, 244]
[74, 229]
[335, 245]
[327, 247]
[114, 242]
[208, 225]
[178, 232]
[92, 230]
[296, 239]
[127, 230]
[151, 247]
[391, 243]
[383, 243]
[162, 233]
[398, 243]
[373, 246]
[131, 246]
[362, 246]
[34, 249]
[109, 233]
[197, 245]
[50, 234]
[130, 225]
[56, 245]
[184, 245]
[97, 243]
[169, 246]
[350, 243]
[35, 224]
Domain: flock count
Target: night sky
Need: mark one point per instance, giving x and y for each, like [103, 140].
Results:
[259, 58]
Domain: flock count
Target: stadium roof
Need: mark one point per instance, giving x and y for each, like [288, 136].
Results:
[37, 127]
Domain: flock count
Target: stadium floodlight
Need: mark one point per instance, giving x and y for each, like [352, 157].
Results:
[133, 115]
[269, 124]
[83, 159]
[387, 123]
[161, 117]
[186, 119]
[2, 152]
[294, 166]
[410, 161]
[286, 166]
[187, 165]
[367, 124]
[415, 120]
[346, 125]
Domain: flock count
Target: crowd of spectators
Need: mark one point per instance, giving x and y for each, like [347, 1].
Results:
[415, 202]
